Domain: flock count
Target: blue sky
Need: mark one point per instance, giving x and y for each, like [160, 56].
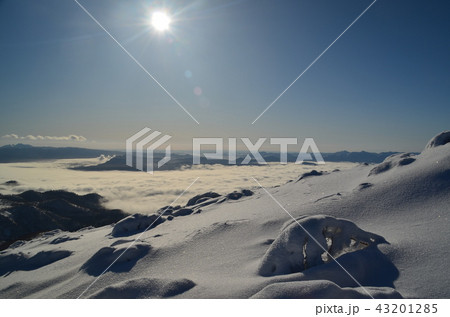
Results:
[384, 85]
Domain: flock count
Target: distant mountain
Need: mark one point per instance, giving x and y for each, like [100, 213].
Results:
[177, 161]
[357, 157]
[342, 156]
[27, 153]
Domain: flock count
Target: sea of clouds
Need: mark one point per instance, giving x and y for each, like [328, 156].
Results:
[142, 192]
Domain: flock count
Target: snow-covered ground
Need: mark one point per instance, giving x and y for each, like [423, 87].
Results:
[380, 231]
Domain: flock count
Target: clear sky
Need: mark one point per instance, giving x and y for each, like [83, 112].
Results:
[384, 85]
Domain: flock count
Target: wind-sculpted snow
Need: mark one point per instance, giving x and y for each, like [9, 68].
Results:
[236, 246]
[136, 223]
[63, 239]
[295, 250]
[357, 272]
[18, 261]
[393, 161]
[439, 140]
[145, 288]
[367, 267]
[124, 259]
[322, 289]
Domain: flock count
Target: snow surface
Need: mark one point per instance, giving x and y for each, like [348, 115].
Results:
[311, 241]
[440, 139]
[390, 230]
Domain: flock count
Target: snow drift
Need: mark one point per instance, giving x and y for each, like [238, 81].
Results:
[314, 240]
[230, 247]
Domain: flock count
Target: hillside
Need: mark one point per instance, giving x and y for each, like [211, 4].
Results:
[372, 231]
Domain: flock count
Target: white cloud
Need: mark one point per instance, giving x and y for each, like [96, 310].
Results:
[140, 192]
[72, 137]
[11, 136]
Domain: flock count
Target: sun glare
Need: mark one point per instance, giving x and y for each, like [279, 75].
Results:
[160, 21]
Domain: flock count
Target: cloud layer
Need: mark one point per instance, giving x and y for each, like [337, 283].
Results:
[72, 137]
[141, 192]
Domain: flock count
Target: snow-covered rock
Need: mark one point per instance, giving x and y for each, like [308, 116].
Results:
[136, 223]
[31, 213]
[439, 140]
[311, 241]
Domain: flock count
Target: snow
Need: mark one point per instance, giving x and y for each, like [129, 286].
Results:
[145, 288]
[18, 261]
[322, 289]
[123, 258]
[389, 230]
[135, 223]
[440, 139]
[393, 161]
[311, 241]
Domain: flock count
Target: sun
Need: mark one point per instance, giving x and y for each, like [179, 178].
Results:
[160, 21]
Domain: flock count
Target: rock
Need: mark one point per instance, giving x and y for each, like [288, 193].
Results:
[11, 183]
[201, 200]
[238, 195]
[183, 212]
[364, 186]
[193, 200]
[31, 213]
[234, 195]
[309, 174]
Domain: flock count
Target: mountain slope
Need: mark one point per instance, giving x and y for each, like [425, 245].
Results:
[387, 226]
[28, 153]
